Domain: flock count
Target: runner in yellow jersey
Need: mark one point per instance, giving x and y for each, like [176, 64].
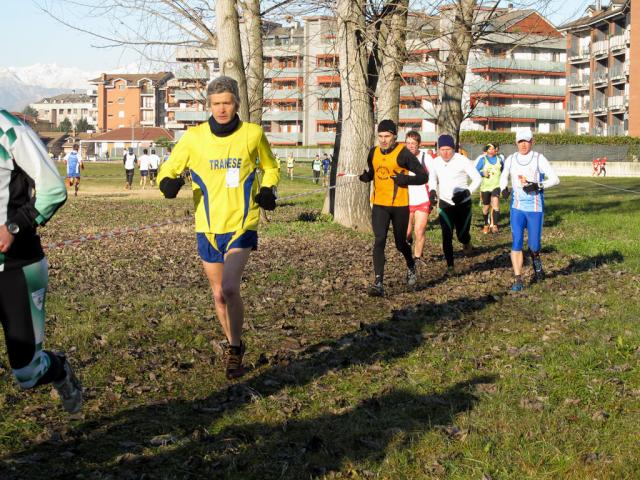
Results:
[223, 156]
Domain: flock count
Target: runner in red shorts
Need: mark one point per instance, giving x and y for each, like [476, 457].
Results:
[419, 206]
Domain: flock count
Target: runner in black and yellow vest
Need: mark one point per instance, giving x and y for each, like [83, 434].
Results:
[388, 168]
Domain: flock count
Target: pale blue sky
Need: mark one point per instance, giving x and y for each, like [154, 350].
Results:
[29, 36]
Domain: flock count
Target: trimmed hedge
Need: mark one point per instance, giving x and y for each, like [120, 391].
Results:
[503, 138]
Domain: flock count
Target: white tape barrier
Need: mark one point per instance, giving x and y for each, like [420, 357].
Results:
[152, 226]
[611, 187]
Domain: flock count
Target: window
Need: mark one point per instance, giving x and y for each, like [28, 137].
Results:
[121, 100]
[121, 86]
[121, 114]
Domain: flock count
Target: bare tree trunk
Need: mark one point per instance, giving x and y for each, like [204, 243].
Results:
[458, 42]
[393, 50]
[230, 50]
[255, 66]
[352, 208]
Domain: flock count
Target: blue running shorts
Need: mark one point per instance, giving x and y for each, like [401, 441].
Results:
[212, 247]
[532, 221]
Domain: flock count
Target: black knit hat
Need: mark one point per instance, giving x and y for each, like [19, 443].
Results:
[446, 141]
[387, 126]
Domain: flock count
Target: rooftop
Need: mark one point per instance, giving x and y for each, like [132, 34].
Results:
[150, 134]
[133, 78]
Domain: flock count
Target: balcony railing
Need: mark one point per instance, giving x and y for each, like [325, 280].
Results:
[282, 72]
[417, 113]
[188, 73]
[579, 53]
[515, 112]
[617, 102]
[285, 137]
[600, 106]
[600, 76]
[578, 81]
[190, 95]
[281, 94]
[617, 73]
[418, 91]
[617, 42]
[600, 48]
[518, 88]
[278, 116]
[616, 130]
[579, 108]
[514, 64]
[191, 116]
[599, 131]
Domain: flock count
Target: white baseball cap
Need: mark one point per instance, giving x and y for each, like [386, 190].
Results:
[525, 134]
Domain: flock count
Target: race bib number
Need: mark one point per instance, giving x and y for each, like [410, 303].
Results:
[233, 177]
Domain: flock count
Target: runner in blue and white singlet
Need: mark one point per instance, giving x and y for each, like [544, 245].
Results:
[530, 174]
[73, 159]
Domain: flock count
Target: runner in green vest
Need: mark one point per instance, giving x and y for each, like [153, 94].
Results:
[489, 165]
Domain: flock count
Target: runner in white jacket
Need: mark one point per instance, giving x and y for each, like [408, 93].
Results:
[448, 181]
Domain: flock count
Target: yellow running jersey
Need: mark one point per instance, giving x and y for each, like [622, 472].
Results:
[223, 173]
[385, 190]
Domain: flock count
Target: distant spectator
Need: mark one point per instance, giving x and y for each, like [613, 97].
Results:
[603, 167]
[316, 167]
[154, 163]
[130, 160]
[144, 168]
[596, 167]
[326, 165]
[74, 162]
[290, 164]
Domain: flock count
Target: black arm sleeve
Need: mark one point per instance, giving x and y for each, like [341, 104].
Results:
[369, 171]
[407, 160]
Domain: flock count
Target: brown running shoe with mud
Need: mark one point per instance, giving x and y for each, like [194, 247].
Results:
[234, 357]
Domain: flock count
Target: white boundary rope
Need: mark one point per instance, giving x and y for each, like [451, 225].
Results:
[126, 231]
[611, 187]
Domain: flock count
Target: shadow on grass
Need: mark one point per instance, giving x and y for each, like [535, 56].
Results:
[589, 263]
[95, 448]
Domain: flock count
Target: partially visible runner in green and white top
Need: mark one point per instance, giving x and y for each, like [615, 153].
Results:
[31, 190]
[490, 166]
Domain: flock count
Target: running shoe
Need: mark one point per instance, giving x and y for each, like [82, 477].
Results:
[450, 271]
[494, 229]
[412, 276]
[377, 289]
[234, 361]
[517, 286]
[69, 388]
[538, 271]
[467, 248]
[485, 229]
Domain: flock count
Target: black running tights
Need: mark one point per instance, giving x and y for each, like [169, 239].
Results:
[381, 217]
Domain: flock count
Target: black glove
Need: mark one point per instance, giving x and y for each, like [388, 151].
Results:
[171, 186]
[460, 196]
[365, 176]
[266, 198]
[532, 187]
[433, 197]
[400, 179]
[505, 193]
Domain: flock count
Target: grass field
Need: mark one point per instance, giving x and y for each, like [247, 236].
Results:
[458, 379]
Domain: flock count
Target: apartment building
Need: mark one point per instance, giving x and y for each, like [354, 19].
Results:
[603, 67]
[516, 78]
[186, 92]
[73, 106]
[517, 75]
[130, 100]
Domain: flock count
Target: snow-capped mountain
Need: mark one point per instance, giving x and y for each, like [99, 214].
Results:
[54, 76]
[15, 94]
[20, 86]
